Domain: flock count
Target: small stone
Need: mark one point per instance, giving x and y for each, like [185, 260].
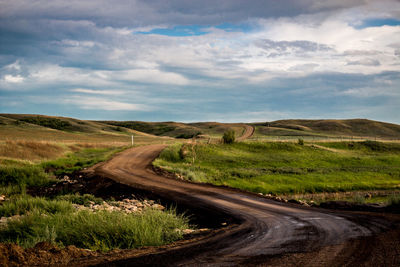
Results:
[187, 231]
[158, 207]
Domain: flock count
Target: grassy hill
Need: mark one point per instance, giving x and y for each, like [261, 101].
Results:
[62, 129]
[178, 129]
[51, 128]
[329, 128]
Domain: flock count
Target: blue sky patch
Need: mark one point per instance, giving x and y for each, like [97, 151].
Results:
[183, 30]
[230, 27]
[378, 22]
[196, 30]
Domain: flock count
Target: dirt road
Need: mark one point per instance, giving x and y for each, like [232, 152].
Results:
[249, 131]
[260, 231]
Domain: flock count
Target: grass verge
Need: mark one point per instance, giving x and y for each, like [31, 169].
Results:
[288, 168]
[100, 230]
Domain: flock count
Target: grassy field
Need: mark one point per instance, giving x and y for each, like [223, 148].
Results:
[34, 162]
[289, 168]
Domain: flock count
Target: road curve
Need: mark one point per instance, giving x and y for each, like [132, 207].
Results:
[264, 227]
[248, 132]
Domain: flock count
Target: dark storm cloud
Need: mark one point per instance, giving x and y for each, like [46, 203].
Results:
[365, 62]
[122, 13]
[252, 60]
[277, 48]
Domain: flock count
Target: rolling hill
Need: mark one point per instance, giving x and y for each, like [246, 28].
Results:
[28, 126]
[349, 128]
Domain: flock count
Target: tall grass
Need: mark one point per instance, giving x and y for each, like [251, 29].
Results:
[30, 150]
[27, 174]
[79, 160]
[24, 204]
[97, 231]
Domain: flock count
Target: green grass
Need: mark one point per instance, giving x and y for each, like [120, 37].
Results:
[288, 168]
[100, 230]
[366, 146]
[79, 160]
[24, 204]
[84, 199]
[57, 221]
[14, 173]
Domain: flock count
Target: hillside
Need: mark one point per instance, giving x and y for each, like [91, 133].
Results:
[178, 129]
[348, 128]
[62, 129]
[28, 126]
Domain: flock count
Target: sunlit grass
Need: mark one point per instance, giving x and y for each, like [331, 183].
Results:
[288, 168]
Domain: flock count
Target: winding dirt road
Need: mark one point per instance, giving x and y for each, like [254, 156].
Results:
[248, 132]
[261, 230]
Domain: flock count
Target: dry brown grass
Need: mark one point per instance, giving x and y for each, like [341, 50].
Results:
[30, 150]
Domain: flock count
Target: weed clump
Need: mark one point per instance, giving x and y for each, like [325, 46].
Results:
[229, 137]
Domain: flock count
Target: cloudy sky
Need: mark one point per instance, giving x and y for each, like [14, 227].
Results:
[181, 60]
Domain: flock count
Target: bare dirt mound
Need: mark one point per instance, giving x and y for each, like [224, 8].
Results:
[43, 254]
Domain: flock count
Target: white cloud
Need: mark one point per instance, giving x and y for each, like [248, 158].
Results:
[13, 79]
[368, 92]
[149, 76]
[97, 103]
[98, 92]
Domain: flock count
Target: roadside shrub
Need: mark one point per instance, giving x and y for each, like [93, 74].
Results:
[171, 153]
[229, 137]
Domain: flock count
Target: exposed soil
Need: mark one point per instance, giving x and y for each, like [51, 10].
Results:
[249, 131]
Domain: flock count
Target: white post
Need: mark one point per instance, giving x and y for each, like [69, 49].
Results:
[132, 140]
